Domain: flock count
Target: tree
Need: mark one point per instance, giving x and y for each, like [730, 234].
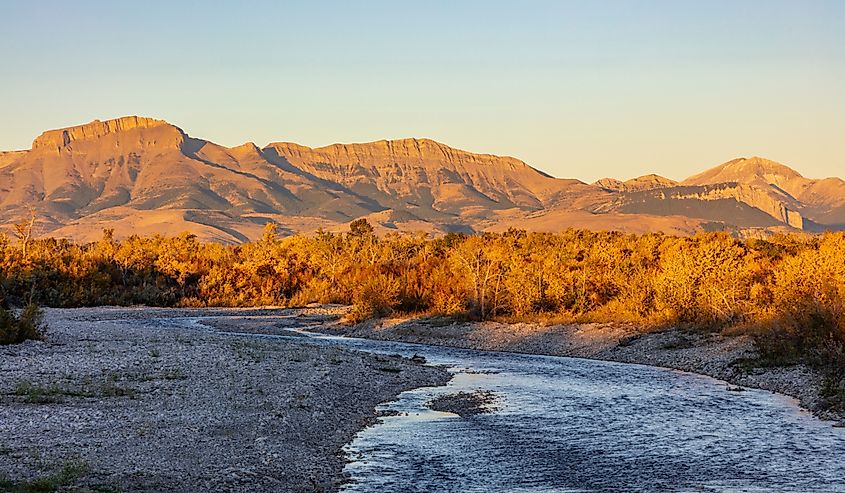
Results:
[23, 231]
[482, 264]
[361, 228]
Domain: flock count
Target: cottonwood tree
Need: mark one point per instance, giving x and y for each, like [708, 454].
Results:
[24, 230]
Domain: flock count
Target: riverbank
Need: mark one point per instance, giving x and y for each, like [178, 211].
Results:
[131, 400]
[709, 354]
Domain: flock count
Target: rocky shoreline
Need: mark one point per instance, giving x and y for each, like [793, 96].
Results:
[708, 354]
[125, 400]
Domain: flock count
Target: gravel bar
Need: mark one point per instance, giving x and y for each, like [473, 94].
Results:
[133, 400]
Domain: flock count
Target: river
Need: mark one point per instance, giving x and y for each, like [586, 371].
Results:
[574, 425]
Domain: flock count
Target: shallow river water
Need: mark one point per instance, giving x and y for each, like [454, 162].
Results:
[575, 425]
[566, 424]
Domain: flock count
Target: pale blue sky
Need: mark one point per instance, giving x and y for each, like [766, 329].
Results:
[580, 89]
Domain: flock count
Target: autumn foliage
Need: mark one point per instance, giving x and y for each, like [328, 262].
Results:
[789, 289]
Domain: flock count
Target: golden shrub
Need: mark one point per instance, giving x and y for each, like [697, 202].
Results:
[790, 285]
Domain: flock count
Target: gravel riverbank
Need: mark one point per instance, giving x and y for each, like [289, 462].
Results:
[118, 401]
[707, 354]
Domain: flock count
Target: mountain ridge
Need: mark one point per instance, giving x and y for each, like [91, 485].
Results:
[63, 137]
[137, 172]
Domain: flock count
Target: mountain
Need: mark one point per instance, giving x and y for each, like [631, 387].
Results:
[140, 175]
[822, 202]
[420, 174]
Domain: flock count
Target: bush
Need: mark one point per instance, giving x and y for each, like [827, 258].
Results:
[789, 290]
[18, 327]
[808, 307]
[375, 298]
[447, 304]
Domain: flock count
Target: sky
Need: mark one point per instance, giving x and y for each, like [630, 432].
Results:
[581, 89]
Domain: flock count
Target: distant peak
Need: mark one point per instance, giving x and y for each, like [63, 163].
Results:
[645, 182]
[762, 165]
[756, 171]
[743, 169]
[246, 147]
[64, 136]
[651, 176]
[651, 180]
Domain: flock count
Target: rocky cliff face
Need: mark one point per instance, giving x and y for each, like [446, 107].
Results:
[145, 164]
[56, 140]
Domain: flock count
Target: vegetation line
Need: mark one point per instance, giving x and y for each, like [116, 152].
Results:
[789, 290]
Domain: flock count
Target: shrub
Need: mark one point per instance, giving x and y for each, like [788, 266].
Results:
[789, 290]
[18, 327]
[808, 314]
[374, 298]
[447, 304]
